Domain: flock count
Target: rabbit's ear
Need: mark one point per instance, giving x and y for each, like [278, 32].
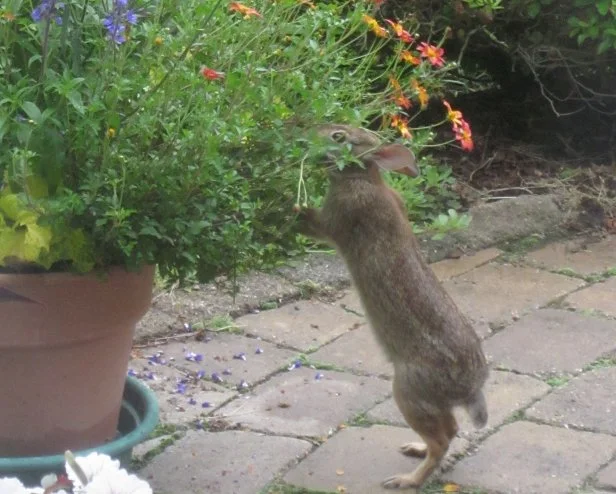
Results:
[397, 158]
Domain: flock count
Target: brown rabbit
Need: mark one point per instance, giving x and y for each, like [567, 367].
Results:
[437, 356]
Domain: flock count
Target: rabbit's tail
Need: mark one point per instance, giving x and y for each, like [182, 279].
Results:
[477, 409]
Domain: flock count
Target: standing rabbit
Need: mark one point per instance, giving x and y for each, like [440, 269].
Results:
[437, 356]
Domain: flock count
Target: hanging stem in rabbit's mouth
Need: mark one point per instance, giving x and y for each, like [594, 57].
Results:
[301, 184]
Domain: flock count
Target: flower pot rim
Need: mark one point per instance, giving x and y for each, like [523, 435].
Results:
[115, 268]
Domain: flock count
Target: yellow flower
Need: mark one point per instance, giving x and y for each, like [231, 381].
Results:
[111, 133]
[374, 26]
[158, 40]
[422, 94]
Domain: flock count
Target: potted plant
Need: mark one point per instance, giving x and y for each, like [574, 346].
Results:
[168, 133]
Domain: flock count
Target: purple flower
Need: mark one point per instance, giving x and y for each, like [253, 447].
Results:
[150, 376]
[118, 20]
[318, 376]
[181, 386]
[216, 378]
[194, 357]
[201, 374]
[157, 359]
[132, 373]
[206, 404]
[295, 365]
[48, 9]
[240, 356]
[259, 350]
[192, 401]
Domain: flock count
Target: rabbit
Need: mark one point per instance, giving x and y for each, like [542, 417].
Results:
[437, 357]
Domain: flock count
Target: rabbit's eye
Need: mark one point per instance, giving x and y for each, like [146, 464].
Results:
[338, 136]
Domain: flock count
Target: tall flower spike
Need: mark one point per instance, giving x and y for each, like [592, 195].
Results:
[48, 9]
[117, 22]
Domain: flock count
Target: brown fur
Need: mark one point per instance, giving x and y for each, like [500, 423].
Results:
[437, 356]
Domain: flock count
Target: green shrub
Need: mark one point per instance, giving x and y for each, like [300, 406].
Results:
[171, 132]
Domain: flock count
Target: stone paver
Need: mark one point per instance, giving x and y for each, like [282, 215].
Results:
[358, 459]
[230, 462]
[182, 396]
[304, 325]
[496, 292]
[232, 358]
[527, 458]
[248, 380]
[357, 350]
[588, 401]
[595, 257]
[449, 268]
[299, 403]
[551, 341]
[505, 393]
[600, 296]
[606, 478]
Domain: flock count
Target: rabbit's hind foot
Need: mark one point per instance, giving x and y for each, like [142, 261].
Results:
[402, 481]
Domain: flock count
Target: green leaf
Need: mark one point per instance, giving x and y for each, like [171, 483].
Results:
[11, 206]
[32, 111]
[36, 239]
[603, 6]
[534, 9]
[74, 97]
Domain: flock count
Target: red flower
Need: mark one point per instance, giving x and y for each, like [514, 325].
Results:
[463, 134]
[211, 74]
[400, 31]
[433, 53]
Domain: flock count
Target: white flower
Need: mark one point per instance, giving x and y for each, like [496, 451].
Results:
[117, 482]
[93, 465]
[14, 486]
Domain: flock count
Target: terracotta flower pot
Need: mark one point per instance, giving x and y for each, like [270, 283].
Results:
[65, 342]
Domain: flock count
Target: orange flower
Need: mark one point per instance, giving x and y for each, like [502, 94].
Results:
[394, 83]
[463, 134]
[422, 94]
[408, 57]
[433, 53]
[374, 26]
[402, 101]
[243, 9]
[400, 31]
[211, 74]
[7, 16]
[401, 124]
[454, 116]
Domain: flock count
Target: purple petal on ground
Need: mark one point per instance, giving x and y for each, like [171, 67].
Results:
[318, 376]
[192, 401]
[259, 350]
[201, 374]
[206, 404]
[132, 373]
[240, 356]
[216, 378]
[242, 385]
[227, 372]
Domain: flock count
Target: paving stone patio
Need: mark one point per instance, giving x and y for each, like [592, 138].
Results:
[299, 400]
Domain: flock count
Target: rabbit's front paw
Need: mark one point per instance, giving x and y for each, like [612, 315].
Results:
[418, 450]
